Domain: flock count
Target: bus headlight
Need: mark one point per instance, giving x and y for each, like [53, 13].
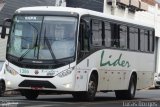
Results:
[65, 72]
[11, 70]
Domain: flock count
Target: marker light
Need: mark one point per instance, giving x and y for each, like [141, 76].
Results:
[65, 72]
[11, 70]
[8, 83]
[67, 85]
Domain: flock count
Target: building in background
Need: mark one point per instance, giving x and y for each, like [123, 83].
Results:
[146, 11]
[2, 3]
[96, 5]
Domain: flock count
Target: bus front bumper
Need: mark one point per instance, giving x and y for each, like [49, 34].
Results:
[55, 83]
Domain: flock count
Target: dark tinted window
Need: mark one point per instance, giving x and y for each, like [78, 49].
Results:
[136, 39]
[115, 35]
[96, 33]
[151, 41]
[133, 38]
[142, 40]
[123, 37]
[83, 37]
[146, 40]
[107, 34]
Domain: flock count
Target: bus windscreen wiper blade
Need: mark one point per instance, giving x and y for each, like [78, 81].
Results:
[48, 45]
[34, 46]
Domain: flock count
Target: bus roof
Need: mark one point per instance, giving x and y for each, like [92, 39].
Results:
[81, 12]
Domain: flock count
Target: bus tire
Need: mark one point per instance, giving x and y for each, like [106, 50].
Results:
[156, 87]
[2, 88]
[30, 94]
[92, 88]
[130, 93]
[90, 94]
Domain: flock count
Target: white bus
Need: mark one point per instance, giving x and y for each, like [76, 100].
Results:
[77, 51]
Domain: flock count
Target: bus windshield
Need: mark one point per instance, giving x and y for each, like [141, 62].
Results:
[42, 37]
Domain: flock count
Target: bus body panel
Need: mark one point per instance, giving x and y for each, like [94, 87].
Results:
[61, 83]
[117, 70]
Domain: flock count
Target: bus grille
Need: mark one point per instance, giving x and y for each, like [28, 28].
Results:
[30, 76]
[36, 83]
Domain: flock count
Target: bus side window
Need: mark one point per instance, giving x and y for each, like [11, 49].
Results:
[96, 33]
[108, 36]
[133, 38]
[151, 41]
[142, 41]
[123, 33]
[115, 35]
[146, 41]
[83, 37]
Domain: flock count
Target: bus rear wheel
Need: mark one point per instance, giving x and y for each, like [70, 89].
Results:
[30, 94]
[130, 93]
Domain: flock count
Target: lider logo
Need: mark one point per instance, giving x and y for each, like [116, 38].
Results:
[118, 62]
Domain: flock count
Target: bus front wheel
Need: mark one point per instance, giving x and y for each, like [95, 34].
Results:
[2, 88]
[90, 94]
[30, 94]
[156, 87]
[92, 88]
[130, 93]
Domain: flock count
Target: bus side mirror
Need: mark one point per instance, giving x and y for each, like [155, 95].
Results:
[5, 22]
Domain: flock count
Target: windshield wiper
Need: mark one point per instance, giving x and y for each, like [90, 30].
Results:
[34, 46]
[36, 42]
[48, 45]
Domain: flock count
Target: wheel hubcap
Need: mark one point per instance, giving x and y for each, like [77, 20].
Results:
[92, 87]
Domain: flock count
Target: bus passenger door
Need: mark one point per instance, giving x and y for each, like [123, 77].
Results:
[83, 42]
[82, 60]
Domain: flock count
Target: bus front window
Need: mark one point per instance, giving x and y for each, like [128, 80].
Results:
[42, 37]
[58, 38]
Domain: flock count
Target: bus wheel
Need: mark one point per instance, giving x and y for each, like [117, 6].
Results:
[30, 94]
[130, 93]
[90, 94]
[156, 87]
[92, 88]
[2, 88]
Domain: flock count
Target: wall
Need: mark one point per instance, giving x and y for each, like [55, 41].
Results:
[117, 11]
[96, 5]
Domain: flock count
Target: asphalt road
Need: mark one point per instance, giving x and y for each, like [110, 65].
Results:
[144, 98]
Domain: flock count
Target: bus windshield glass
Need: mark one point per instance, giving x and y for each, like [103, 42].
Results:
[42, 37]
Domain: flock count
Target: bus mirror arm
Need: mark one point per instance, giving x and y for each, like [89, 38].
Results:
[85, 21]
[3, 33]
